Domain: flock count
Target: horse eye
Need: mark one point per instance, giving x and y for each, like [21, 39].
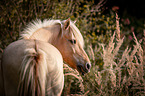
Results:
[73, 41]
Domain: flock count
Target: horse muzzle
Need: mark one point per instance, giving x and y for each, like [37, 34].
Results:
[84, 68]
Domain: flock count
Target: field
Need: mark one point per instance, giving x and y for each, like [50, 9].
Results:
[114, 44]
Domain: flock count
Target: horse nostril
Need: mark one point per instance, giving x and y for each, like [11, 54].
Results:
[88, 66]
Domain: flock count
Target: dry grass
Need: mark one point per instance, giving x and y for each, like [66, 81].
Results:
[123, 71]
[71, 72]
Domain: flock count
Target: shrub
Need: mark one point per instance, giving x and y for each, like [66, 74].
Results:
[123, 70]
[117, 69]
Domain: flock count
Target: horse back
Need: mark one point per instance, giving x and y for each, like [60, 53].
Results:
[13, 57]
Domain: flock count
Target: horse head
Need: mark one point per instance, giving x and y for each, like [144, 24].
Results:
[65, 36]
[70, 44]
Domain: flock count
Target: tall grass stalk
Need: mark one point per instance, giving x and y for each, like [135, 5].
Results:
[123, 71]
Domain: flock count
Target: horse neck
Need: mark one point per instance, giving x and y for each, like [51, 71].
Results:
[47, 34]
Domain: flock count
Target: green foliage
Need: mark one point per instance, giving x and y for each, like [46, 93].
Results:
[97, 30]
[16, 14]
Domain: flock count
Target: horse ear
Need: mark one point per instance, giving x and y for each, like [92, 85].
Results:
[66, 24]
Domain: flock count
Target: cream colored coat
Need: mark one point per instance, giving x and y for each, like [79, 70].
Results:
[33, 65]
[12, 66]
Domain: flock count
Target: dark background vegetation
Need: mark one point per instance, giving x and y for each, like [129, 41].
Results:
[15, 14]
[134, 8]
[97, 23]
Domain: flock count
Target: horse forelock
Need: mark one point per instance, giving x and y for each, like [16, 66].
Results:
[77, 34]
[33, 26]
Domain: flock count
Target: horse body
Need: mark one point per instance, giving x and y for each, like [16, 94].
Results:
[33, 66]
[53, 71]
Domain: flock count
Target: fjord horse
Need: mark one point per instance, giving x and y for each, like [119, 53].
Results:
[33, 66]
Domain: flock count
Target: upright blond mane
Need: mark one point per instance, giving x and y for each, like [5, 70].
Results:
[35, 25]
